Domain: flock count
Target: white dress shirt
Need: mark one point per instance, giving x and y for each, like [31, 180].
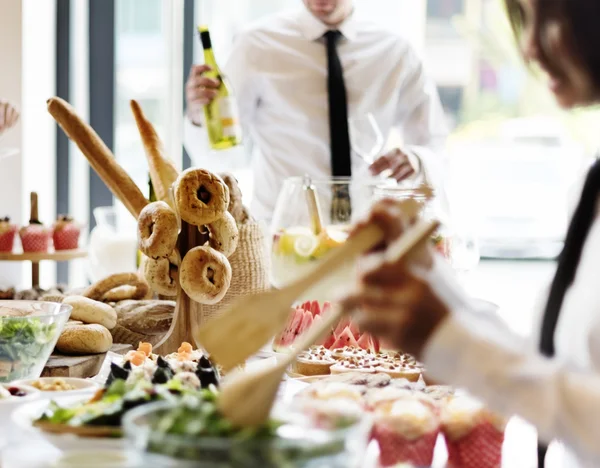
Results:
[560, 396]
[278, 69]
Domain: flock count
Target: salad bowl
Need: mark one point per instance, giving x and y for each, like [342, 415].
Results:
[29, 331]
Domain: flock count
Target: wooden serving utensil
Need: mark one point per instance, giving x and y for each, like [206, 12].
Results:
[314, 209]
[252, 321]
[246, 398]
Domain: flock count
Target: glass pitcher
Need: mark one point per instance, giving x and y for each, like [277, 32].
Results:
[111, 249]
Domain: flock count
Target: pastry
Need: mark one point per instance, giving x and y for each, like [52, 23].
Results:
[224, 235]
[7, 294]
[158, 230]
[236, 206]
[98, 290]
[315, 361]
[35, 237]
[205, 275]
[8, 232]
[163, 172]
[348, 352]
[474, 436]
[84, 339]
[99, 156]
[406, 430]
[162, 274]
[90, 311]
[65, 233]
[355, 364]
[371, 380]
[200, 197]
[397, 370]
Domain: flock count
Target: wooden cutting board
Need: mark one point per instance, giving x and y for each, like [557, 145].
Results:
[79, 366]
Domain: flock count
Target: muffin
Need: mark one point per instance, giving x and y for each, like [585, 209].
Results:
[35, 237]
[406, 430]
[474, 436]
[65, 233]
[7, 235]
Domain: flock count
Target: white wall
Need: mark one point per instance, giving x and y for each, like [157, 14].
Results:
[27, 78]
[10, 88]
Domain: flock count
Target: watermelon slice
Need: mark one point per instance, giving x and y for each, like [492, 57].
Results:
[346, 338]
[354, 329]
[306, 305]
[376, 345]
[307, 321]
[364, 342]
[326, 308]
[315, 308]
[289, 333]
[341, 326]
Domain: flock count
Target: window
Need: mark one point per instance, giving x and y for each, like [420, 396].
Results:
[444, 8]
[139, 16]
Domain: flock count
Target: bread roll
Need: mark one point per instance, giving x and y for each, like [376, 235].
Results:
[90, 311]
[84, 339]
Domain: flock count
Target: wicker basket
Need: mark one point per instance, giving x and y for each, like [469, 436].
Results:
[250, 271]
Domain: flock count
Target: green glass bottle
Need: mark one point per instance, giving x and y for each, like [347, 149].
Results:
[221, 119]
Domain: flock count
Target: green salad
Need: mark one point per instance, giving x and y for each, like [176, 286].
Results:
[195, 430]
[22, 342]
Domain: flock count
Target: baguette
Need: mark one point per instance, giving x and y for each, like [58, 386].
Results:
[99, 156]
[163, 172]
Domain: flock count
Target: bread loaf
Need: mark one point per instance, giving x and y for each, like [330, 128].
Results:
[146, 317]
[90, 311]
[84, 339]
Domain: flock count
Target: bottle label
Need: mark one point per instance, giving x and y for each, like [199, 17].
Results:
[229, 118]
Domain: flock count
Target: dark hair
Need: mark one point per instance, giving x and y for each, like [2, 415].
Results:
[580, 18]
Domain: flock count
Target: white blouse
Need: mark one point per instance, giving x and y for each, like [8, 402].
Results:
[560, 396]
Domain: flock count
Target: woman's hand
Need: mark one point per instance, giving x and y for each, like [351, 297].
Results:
[9, 116]
[393, 301]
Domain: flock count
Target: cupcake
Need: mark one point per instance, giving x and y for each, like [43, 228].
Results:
[474, 436]
[406, 431]
[315, 361]
[35, 237]
[65, 233]
[7, 235]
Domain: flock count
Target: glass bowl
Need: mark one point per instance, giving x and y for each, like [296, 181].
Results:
[29, 331]
[297, 248]
[299, 443]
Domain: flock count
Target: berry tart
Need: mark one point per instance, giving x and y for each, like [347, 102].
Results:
[315, 361]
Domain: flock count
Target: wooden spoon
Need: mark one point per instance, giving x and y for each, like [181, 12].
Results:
[246, 398]
[253, 320]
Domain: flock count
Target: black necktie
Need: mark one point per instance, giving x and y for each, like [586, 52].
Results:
[338, 128]
[338, 109]
[567, 266]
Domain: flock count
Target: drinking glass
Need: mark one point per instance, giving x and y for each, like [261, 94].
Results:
[366, 138]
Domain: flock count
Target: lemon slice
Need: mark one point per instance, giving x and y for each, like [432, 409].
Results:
[305, 246]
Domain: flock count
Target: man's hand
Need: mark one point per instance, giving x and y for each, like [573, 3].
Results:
[9, 116]
[396, 162]
[199, 91]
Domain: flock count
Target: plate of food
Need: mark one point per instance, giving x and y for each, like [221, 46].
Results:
[55, 387]
[97, 419]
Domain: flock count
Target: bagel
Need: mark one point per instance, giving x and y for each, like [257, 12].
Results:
[224, 234]
[98, 290]
[90, 311]
[158, 230]
[205, 275]
[200, 197]
[162, 274]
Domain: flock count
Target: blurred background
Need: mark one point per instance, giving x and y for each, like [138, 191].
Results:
[516, 159]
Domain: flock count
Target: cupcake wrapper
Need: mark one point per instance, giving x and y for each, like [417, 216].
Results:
[7, 241]
[66, 239]
[395, 448]
[35, 242]
[480, 448]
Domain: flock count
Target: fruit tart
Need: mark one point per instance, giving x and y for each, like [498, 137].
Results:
[7, 235]
[65, 233]
[35, 237]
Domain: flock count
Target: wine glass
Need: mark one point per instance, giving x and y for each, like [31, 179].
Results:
[366, 138]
